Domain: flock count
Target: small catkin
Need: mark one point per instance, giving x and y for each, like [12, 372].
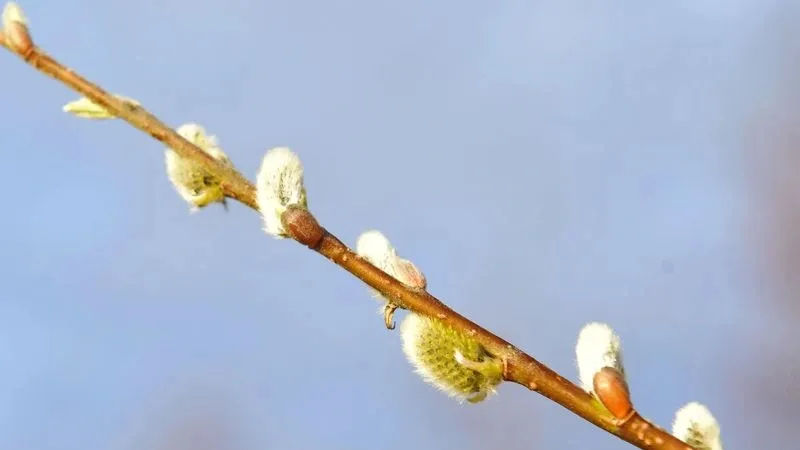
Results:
[695, 425]
[375, 247]
[194, 183]
[279, 185]
[450, 359]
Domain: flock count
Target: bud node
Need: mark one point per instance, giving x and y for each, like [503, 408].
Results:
[611, 389]
[302, 226]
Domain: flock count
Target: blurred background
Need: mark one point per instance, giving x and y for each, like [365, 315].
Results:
[546, 163]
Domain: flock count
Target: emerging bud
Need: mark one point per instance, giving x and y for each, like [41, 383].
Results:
[450, 359]
[597, 347]
[373, 246]
[15, 29]
[695, 425]
[279, 185]
[193, 182]
[87, 109]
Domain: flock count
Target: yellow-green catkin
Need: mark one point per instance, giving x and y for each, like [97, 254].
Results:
[193, 182]
[450, 359]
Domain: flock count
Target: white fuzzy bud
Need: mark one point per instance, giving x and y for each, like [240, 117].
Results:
[15, 31]
[87, 109]
[194, 183]
[373, 246]
[695, 425]
[279, 185]
[13, 13]
[597, 347]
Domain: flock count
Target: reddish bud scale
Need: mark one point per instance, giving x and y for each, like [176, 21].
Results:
[302, 226]
[611, 389]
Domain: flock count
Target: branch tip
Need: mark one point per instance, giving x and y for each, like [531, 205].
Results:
[15, 27]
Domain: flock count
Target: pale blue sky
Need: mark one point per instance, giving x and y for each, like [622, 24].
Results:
[546, 163]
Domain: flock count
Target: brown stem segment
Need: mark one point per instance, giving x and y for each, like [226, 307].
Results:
[521, 368]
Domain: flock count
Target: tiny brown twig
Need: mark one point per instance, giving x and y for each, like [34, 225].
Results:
[520, 367]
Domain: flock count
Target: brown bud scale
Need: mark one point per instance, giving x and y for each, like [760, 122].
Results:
[611, 389]
[302, 226]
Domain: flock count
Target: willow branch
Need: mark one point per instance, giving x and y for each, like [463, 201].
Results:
[520, 367]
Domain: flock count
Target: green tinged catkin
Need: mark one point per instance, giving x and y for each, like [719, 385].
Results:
[450, 359]
[196, 185]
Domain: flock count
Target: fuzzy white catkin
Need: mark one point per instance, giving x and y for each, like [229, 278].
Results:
[191, 180]
[598, 346]
[279, 184]
[695, 425]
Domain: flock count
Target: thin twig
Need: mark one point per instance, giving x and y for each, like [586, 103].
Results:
[520, 367]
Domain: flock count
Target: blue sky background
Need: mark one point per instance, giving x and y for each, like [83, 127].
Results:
[546, 163]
